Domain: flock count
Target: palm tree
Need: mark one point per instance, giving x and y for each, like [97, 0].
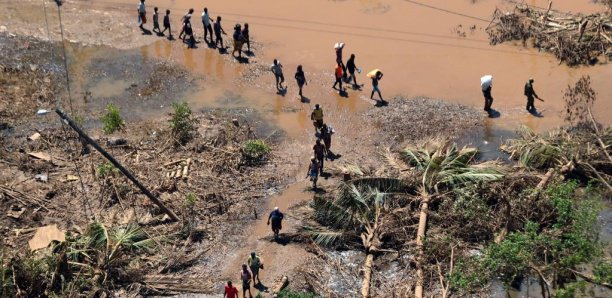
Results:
[442, 166]
[356, 212]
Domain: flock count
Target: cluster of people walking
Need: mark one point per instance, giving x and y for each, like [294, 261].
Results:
[213, 31]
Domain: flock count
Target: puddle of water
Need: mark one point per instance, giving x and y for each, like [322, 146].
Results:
[109, 88]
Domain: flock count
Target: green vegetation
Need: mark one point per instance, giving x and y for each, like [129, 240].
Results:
[181, 123]
[291, 294]
[106, 170]
[551, 249]
[189, 215]
[112, 119]
[255, 151]
[86, 263]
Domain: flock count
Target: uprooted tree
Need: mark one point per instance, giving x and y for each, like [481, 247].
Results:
[573, 39]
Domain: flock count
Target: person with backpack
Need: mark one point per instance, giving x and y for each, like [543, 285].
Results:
[255, 263]
[245, 277]
[530, 93]
[326, 134]
[320, 153]
[277, 221]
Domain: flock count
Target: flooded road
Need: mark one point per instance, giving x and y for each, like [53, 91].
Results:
[419, 45]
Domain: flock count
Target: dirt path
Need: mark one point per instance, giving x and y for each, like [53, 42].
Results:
[279, 258]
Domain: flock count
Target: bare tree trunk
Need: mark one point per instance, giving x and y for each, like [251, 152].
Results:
[367, 275]
[507, 214]
[418, 290]
[566, 167]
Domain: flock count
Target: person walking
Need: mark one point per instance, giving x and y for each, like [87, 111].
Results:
[313, 171]
[351, 67]
[156, 20]
[167, 24]
[326, 134]
[339, 47]
[317, 117]
[230, 291]
[255, 263]
[185, 19]
[338, 72]
[245, 277]
[142, 14]
[530, 93]
[206, 19]
[238, 40]
[189, 36]
[246, 37]
[277, 70]
[277, 221]
[319, 153]
[218, 31]
[486, 84]
[300, 78]
[375, 78]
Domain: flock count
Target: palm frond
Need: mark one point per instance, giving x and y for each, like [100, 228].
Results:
[380, 183]
[97, 234]
[332, 214]
[326, 238]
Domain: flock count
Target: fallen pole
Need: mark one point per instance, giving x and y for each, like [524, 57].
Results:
[123, 170]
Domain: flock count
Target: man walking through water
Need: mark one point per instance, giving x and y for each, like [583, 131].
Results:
[206, 19]
[142, 14]
[255, 263]
[486, 83]
[277, 70]
[317, 117]
[530, 93]
[277, 220]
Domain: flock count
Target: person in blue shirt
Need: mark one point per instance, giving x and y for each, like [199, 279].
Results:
[277, 219]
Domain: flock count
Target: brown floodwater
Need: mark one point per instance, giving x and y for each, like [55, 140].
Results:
[417, 45]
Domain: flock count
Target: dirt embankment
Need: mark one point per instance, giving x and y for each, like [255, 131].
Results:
[82, 23]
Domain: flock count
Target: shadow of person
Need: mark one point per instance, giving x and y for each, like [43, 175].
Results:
[223, 51]
[282, 91]
[260, 287]
[381, 103]
[305, 99]
[146, 31]
[211, 45]
[171, 38]
[325, 175]
[343, 93]
[242, 60]
[534, 112]
[282, 239]
[249, 53]
[493, 113]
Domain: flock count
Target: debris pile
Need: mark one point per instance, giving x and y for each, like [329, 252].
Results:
[573, 39]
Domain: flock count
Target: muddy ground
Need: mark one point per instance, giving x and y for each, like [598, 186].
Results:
[230, 193]
[145, 81]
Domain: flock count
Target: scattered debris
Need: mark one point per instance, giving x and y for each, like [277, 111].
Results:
[40, 155]
[15, 211]
[45, 235]
[573, 39]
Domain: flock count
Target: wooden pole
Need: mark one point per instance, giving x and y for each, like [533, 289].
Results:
[123, 170]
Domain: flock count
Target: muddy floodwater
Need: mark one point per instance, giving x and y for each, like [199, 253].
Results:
[433, 48]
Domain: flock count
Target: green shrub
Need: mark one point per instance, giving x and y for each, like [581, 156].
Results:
[291, 294]
[112, 119]
[181, 123]
[255, 151]
[106, 169]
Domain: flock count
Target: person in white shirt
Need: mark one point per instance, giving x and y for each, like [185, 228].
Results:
[142, 14]
[206, 22]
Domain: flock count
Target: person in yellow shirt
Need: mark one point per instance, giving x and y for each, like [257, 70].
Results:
[255, 263]
[317, 117]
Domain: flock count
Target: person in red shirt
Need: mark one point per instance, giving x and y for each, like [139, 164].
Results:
[339, 72]
[230, 291]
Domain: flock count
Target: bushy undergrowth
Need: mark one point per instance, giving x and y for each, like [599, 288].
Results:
[255, 151]
[182, 124]
[112, 120]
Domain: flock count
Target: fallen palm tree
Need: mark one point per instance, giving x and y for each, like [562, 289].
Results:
[573, 39]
